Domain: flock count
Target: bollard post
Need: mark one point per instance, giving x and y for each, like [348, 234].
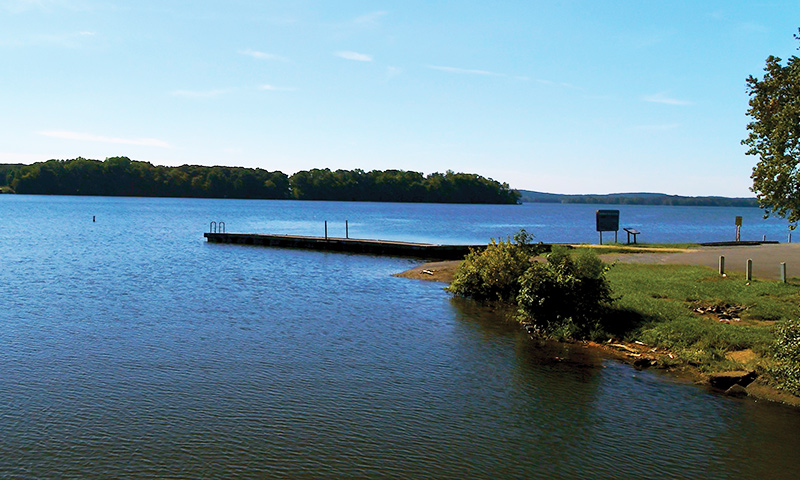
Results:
[765, 238]
[346, 230]
[790, 238]
[783, 272]
[326, 229]
[749, 269]
[722, 264]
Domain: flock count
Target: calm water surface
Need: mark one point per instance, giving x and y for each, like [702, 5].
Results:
[130, 348]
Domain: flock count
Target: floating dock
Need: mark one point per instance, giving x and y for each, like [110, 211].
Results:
[350, 245]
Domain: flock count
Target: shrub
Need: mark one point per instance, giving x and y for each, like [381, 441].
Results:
[565, 296]
[786, 351]
[493, 274]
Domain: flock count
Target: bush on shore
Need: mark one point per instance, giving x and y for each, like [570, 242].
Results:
[786, 352]
[493, 274]
[563, 297]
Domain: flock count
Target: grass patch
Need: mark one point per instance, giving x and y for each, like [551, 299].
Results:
[656, 304]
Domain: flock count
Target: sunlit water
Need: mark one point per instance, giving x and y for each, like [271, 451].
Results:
[130, 348]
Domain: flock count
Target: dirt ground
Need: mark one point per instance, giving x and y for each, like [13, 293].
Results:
[432, 271]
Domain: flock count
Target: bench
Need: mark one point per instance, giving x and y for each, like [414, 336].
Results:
[633, 232]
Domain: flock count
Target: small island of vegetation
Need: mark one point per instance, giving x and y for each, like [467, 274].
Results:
[121, 176]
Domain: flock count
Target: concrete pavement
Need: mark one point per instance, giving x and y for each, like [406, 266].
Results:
[766, 258]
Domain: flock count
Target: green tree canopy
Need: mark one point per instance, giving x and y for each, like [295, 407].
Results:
[775, 137]
[121, 176]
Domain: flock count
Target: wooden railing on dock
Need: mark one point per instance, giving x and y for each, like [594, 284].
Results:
[351, 245]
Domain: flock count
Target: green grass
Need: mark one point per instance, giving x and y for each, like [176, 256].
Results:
[655, 304]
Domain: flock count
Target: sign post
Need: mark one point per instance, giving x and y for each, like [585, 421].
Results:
[607, 221]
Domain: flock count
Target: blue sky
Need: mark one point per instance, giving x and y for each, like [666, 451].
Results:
[564, 97]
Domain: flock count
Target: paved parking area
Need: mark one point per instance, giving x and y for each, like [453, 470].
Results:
[766, 258]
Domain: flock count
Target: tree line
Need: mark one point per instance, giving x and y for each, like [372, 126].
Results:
[121, 176]
[528, 196]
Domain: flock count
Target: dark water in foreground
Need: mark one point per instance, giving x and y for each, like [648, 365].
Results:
[129, 348]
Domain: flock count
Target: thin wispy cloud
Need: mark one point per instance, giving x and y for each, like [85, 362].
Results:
[88, 137]
[729, 18]
[392, 72]
[465, 71]
[20, 6]
[558, 84]
[657, 128]
[355, 56]
[273, 88]
[65, 40]
[664, 99]
[199, 93]
[370, 19]
[263, 55]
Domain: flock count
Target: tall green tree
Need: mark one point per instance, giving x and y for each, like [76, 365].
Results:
[775, 137]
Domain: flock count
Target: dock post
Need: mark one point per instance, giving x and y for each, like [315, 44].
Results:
[722, 264]
[783, 272]
[326, 230]
[749, 269]
[346, 230]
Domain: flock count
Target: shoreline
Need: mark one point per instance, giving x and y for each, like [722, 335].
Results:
[636, 354]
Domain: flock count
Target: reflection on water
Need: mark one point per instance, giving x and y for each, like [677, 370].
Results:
[129, 348]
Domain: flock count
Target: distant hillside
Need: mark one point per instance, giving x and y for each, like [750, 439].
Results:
[641, 198]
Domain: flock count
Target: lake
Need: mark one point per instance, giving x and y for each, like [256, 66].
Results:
[131, 348]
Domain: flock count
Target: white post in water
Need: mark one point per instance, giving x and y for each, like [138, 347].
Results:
[749, 269]
[783, 272]
[722, 264]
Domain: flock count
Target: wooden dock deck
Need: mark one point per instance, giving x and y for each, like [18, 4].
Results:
[350, 245]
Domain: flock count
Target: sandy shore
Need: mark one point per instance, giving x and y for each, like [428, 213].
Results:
[432, 271]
